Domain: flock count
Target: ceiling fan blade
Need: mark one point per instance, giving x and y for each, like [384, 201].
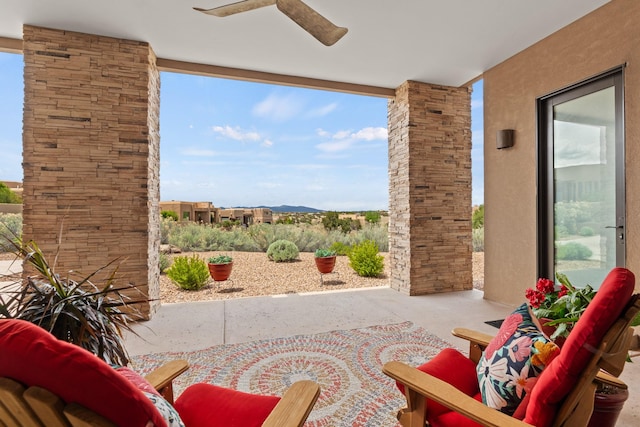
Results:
[238, 7]
[311, 21]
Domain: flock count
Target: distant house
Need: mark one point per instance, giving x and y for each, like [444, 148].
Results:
[206, 213]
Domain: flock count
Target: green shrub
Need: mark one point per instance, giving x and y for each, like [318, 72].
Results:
[190, 273]
[282, 251]
[477, 238]
[11, 228]
[477, 218]
[364, 259]
[340, 248]
[372, 217]
[8, 196]
[586, 231]
[164, 261]
[573, 251]
[172, 215]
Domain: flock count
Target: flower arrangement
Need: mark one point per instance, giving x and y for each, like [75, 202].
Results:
[562, 306]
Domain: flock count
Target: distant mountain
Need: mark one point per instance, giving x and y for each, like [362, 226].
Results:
[292, 209]
[281, 208]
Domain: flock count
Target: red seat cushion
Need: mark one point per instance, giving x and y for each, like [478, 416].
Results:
[206, 405]
[33, 357]
[454, 368]
[563, 372]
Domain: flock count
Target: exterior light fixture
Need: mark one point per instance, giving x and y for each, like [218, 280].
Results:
[505, 138]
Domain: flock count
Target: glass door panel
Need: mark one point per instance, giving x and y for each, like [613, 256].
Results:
[584, 166]
[581, 180]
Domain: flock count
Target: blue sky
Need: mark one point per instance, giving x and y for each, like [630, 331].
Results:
[237, 143]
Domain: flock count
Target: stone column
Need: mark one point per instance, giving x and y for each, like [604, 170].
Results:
[430, 189]
[91, 155]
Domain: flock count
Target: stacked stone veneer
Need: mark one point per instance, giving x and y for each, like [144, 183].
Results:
[430, 189]
[91, 154]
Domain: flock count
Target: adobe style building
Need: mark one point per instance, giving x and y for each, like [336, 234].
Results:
[206, 213]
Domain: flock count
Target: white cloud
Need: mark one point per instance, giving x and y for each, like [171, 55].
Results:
[237, 133]
[267, 143]
[279, 108]
[371, 134]
[323, 111]
[345, 139]
[334, 146]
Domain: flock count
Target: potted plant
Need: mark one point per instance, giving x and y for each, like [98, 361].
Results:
[76, 310]
[558, 310]
[220, 267]
[325, 260]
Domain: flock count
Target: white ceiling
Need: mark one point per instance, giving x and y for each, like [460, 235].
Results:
[447, 42]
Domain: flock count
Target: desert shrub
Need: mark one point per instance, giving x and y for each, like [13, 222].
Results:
[189, 272]
[172, 215]
[477, 238]
[377, 233]
[372, 217]
[340, 248]
[7, 195]
[164, 261]
[586, 231]
[477, 218]
[573, 251]
[364, 259]
[561, 231]
[10, 226]
[282, 251]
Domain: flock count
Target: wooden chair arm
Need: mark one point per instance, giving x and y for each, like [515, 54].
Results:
[478, 341]
[420, 385]
[295, 406]
[162, 378]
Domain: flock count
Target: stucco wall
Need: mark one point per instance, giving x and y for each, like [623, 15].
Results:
[602, 40]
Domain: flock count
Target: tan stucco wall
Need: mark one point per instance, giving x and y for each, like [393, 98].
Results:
[602, 40]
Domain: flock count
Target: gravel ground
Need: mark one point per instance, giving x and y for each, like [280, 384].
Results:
[254, 275]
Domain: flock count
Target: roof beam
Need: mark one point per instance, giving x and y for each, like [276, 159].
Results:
[15, 46]
[264, 77]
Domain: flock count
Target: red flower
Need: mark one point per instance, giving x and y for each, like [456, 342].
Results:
[535, 297]
[563, 291]
[545, 286]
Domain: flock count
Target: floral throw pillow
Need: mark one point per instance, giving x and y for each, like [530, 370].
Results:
[512, 361]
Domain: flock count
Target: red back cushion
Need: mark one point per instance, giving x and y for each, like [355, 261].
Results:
[563, 372]
[32, 356]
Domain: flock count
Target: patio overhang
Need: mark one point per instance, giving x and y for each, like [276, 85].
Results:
[446, 43]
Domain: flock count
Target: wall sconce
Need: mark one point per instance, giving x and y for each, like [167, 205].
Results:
[505, 138]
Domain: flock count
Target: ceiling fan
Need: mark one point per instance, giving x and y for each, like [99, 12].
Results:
[311, 21]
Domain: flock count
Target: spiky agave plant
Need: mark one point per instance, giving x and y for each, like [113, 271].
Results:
[77, 311]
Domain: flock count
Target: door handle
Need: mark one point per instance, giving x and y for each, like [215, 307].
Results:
[617, 227]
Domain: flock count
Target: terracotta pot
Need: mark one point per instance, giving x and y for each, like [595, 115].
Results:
[220, 272]
[325, 264]
[607, 408]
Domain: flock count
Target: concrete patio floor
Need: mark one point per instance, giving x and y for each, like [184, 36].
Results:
[191, 326]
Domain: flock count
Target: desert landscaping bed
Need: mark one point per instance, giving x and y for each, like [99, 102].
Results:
[254, 275]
